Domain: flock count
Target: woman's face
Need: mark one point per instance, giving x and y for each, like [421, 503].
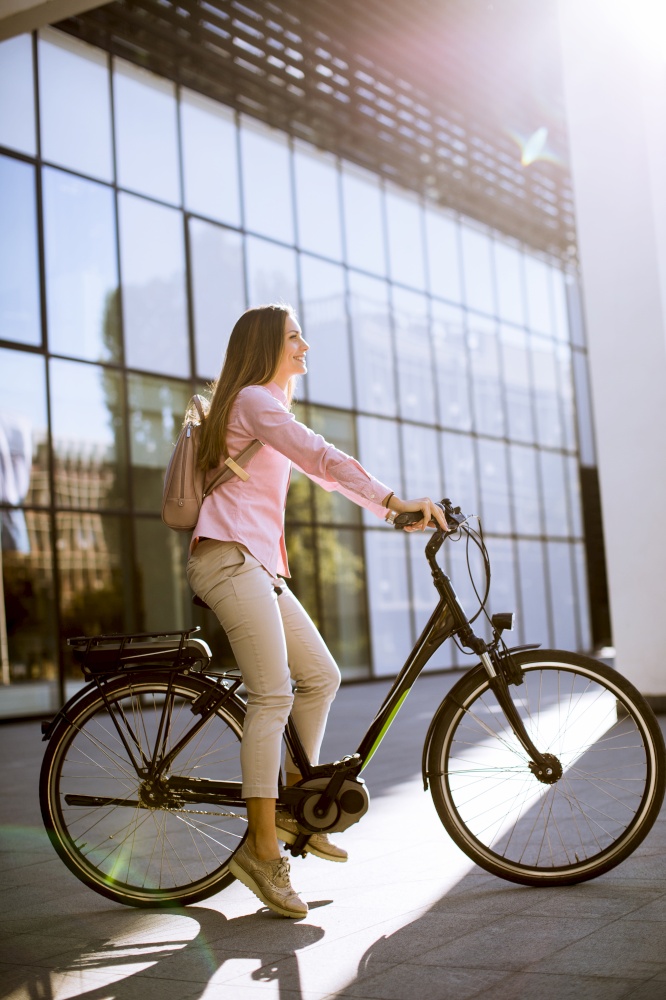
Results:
[294, 350]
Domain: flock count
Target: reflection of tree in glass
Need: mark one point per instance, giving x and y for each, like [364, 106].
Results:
[28, 589]
[95, 589]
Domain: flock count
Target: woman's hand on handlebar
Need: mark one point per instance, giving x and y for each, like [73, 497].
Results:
[430, 511]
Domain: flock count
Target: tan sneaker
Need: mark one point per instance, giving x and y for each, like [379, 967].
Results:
[318, 844]
[269, 880]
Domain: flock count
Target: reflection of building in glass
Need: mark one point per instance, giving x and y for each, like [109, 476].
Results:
[432, 276]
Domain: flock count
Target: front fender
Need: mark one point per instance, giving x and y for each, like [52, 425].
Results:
[452, 696]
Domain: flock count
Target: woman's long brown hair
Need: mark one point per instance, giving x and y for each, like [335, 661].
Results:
[253, 357]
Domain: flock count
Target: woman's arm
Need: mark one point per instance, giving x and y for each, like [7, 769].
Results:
[265, 418]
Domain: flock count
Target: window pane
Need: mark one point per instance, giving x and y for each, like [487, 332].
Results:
[30, 669]
[300, 505]
[486, 379]
[325, 329]
[534, 625]
[24, 458]
[81, 267]
[17, 95]
[266, 181]
[558, 286]
[575, 312]
[451, 366]
[164, 595]
[390, 626]
[424, 597]
[443, 255]
[364, 227]
[460, 477]
[417, 392]
[456, 556]
[344, 622]
[565, 388]
[546, 392]
[477, 270]
[422, 478]
[405, 238]
[583, 410]
[75, 107]
[575, 512]
[152, 265]
[562, 595]
[538, 295]
[210, 158]
[88, 436]
[517, 383]
[494, 486]
[271, 273]
[95, 574]
[19, 276]
[379, 453]
[338, 428]
[218, 291]
[317, 201]
[510, 292]
[585, 642]
[555, 493]
[371, 343]
[503, 580]
[526, 501]
[147, 158]
[156, 410]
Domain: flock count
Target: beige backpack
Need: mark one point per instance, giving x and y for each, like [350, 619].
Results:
[185, 487]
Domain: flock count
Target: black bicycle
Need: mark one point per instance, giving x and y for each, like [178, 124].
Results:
[546, 767]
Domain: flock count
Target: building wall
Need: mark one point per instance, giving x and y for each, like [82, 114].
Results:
[140, 220]
[615, 79]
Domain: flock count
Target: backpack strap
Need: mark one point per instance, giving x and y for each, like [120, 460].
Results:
[234, 467]
[200, 410]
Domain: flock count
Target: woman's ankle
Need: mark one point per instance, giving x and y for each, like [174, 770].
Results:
[264, 850]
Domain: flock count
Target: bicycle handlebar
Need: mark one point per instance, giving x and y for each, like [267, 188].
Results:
[454, 516]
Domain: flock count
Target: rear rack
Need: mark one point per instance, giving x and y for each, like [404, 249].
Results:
[110, 654]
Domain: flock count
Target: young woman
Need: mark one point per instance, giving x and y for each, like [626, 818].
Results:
[238, 565]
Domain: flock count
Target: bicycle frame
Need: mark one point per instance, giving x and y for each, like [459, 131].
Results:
[447, 618]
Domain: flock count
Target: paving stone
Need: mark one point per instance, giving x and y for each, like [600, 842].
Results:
[625, 948]
[527, 986]
[424, 983]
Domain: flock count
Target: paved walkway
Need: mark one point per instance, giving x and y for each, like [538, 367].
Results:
[408, 918]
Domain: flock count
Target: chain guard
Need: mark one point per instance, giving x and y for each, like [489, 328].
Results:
[349, 805]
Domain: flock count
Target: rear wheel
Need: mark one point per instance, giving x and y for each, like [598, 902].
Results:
[587, 820]
[133, 843]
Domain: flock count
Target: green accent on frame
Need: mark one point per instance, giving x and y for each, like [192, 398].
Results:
[385, 728]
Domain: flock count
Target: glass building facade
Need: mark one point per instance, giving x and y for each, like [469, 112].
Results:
[139, 219]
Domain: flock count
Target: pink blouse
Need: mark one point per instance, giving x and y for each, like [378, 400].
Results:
[252, 512]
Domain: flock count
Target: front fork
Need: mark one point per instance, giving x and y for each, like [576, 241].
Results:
[501, 672]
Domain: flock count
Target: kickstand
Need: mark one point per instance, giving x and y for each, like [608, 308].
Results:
[297, 848]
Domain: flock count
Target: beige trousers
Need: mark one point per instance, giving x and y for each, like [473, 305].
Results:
[274, 642]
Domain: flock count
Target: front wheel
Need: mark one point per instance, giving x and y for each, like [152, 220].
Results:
[560, 830]
[126, 839]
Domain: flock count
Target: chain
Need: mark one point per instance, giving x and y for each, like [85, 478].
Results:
[205, 812]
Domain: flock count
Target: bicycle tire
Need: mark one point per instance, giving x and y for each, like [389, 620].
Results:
[132, 853]
[582, 825]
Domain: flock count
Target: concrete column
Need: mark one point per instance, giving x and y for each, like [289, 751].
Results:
[615, 90]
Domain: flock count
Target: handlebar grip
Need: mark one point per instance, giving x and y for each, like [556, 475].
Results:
[411, 517]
